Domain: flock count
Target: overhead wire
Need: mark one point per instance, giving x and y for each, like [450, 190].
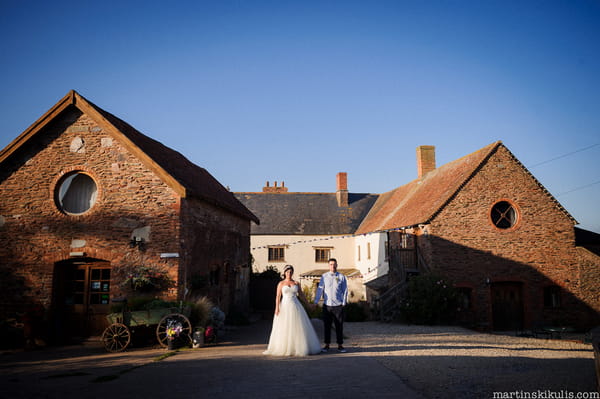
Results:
[578, 188]
[566, 155]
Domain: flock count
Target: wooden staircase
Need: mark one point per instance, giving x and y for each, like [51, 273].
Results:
[388, 303]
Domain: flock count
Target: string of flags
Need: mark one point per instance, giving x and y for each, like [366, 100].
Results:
[329, 238]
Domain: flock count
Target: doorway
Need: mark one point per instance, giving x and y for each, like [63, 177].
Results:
[507, 306]
[82, 296]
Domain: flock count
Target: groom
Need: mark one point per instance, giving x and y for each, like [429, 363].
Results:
[333, 286]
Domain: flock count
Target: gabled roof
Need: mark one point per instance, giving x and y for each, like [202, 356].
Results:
[306, 213]
[419, 201]
[587, 239]
[183, 176]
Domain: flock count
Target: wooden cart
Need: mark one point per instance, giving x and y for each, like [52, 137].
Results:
[117, 336]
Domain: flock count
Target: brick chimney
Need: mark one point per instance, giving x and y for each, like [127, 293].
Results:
[275, 188]
[342, 189]
[425, 159]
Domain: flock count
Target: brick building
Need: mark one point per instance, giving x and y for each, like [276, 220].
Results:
[485, 223]
[85, 198]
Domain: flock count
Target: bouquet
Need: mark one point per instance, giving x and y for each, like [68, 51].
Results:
[173, 330]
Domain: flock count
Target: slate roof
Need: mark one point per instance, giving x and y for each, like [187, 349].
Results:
[187, 178]
[306, 213]
[587, 239]
[419, 201]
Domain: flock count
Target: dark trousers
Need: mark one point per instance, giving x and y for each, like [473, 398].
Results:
[333, 314]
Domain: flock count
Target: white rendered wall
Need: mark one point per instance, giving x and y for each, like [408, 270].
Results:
[300, 251]
[375, 265]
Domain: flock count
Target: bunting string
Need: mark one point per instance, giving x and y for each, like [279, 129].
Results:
[327, 238]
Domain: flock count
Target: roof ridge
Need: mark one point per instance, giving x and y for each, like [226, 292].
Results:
[414, 188]
[170, 165]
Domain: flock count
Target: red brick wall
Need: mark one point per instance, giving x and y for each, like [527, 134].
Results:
[538, 251]
[35, 234]
[214, 240]
[589, 273]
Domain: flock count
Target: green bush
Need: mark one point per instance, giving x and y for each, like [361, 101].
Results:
[355, 312]
[200, 311]
[430, 300]
[313, 312]
[270, 272]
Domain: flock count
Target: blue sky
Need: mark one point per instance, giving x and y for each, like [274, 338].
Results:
[297, 91]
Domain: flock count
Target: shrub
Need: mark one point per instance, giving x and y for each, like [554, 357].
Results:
[313, 312]
[355, 312]
[200, 314]
[145, 278]
[430, 300]
[270, 272]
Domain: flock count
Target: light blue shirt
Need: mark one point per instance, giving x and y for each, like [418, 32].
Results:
[333, 287]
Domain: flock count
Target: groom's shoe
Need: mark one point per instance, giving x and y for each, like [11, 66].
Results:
[325, 349]
[341, 349]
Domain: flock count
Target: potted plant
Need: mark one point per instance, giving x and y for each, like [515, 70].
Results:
[174, 328]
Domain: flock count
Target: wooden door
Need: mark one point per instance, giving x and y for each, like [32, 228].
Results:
[86, 297]
[507, 306]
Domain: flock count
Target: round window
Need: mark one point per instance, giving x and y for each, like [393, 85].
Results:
[76, 193]
[504, 215]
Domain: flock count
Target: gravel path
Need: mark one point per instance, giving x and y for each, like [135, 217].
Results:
[450, 362]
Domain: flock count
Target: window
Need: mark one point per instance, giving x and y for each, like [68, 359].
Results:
[359, 252]
[552, 296]
[385, 248]
[76, 193]
[322, 254]
[504, 215]
[464, 297]
[100, 286]
[368, 250]
[276, 254]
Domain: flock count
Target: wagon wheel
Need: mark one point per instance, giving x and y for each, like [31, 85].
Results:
[174, 319]
[116, 337]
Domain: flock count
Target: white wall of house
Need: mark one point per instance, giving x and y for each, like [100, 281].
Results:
[370, 255]
[299, 251]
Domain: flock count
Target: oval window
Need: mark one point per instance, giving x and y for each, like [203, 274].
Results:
[76, 193]
[504, 215]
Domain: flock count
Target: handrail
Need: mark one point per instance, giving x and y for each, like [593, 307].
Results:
[422, 262]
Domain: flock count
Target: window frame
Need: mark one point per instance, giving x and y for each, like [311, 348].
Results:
[552, 296]
[272, 250]
[325, 257]
[59, 197]
[512, 206]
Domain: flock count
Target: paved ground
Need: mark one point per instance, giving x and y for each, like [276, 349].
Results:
[232, 369]
[384, 360]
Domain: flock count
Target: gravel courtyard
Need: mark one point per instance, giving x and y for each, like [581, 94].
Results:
[450, 362]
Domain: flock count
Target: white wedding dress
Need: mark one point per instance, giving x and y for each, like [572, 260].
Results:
[293, 334]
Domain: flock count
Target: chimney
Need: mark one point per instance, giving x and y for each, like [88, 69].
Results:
[342, 189]
[275, 188]
[425, 159]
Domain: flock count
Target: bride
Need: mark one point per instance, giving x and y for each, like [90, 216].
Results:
[292, 333]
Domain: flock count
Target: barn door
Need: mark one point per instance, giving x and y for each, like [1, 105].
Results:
[85, 296]
[507, 306]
